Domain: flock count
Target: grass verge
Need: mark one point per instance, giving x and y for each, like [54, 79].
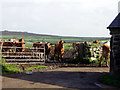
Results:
[110, 80]
[12, 68]
[37, 67]
[9, 69]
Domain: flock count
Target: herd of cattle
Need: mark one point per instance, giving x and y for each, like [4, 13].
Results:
[13, 45]
[6, 46]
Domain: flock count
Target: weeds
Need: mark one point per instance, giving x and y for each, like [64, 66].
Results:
[37, 67]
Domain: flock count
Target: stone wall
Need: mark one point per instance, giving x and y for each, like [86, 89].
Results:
[86, 50]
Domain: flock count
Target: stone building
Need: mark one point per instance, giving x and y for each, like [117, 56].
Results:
[114, 28]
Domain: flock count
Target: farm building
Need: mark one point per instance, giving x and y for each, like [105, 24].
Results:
[114, 28]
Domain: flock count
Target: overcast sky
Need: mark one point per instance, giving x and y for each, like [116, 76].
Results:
[59, 17]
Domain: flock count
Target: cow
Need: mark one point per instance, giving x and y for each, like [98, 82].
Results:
[13, 40]
[40, 45]
[59, 50]
[48, 49]
[96, 41]
[12, 46]
[20, 44]
[105, 53]
[76, 45]
[37, 44]
[5, 46]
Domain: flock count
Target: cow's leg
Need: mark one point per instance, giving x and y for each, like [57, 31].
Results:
[45, 57]
[61, 57]
[54, 56]
[100, 61]
[58, 57]
[48, 57]
[106, 60]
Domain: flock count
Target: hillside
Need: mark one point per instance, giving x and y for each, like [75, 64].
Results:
[32, 37]
[22, 33]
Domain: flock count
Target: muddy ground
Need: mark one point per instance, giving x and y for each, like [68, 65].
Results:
[60, 77]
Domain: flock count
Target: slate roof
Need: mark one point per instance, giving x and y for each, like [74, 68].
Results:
[115, 23]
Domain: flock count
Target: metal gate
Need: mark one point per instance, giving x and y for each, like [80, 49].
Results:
[13, 54]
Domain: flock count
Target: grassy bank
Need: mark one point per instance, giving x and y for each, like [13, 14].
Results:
[12, 68]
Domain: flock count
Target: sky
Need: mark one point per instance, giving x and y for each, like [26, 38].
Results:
[81, 18]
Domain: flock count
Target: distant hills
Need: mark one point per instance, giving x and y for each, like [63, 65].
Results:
[32, 37]
[23, 33]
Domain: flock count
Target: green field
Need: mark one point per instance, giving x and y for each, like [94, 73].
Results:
[32, 37]
[29, 40]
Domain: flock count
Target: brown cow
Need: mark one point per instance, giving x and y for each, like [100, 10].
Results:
[21, 44]
[47, 47]
[14, 40]
[37, 44]
[76, 45]
[96, 41]
[6, 46]
[59, 49]
[105, 53]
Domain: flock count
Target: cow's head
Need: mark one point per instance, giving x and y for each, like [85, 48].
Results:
[61, 43]
[39, 42]
[48, 44]
[51, 43]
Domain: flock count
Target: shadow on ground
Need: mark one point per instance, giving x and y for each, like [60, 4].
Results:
[65, 79]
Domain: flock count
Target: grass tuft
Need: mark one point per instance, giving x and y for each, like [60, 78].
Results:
[37, 67]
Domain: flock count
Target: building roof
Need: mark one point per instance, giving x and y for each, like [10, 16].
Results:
[115, 23]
